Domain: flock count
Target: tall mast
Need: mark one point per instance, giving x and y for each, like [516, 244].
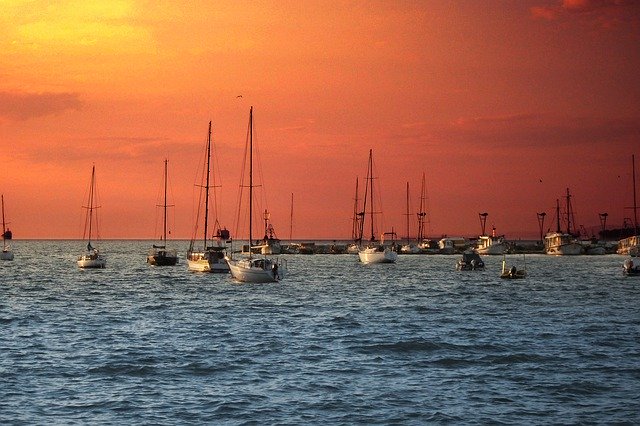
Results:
[3, 223]
[558, 215]
[356, 232]
[421, 213]
[165, 203]
[291, 220]
[373, 238]
[206, 190]
[569, 212]
[91, 189]
[250, 178]
[407, 214]
[635, 205]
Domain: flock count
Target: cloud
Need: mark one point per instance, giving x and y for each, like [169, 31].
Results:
[602, 13]
[545, 130]
[25, 106]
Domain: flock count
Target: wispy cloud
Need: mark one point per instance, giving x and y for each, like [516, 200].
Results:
[603, 13]
[25, 106]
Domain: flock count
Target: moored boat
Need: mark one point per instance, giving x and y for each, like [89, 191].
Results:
[470, 261]
[92, 258]
[560, 243]
[160, 255]
[211, 256]
[373, 251]
[261, 268]
[630, 269]
[631, 244]
[513, 273]
[7, 253]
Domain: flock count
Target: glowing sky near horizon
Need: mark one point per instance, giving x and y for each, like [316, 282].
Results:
[503, 105]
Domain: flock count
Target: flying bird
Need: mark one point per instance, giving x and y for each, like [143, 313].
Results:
[239, 96]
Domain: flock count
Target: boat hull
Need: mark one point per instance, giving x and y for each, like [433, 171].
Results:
[255, 270]
[208, 261]
[6, 255]
[372, 255]
[92, 262]
[572, 249]
[162, 260]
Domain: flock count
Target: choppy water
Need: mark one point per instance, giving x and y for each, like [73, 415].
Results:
[337, 342]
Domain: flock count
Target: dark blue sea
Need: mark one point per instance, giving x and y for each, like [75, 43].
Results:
[336, 342]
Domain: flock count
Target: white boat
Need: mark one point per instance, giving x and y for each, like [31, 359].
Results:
[373, 251]
[7, 253]
[255, 268]
[489, 244]
[631, 245]
[377, 254]
[270, 243]
[451, 245]
[211, 256]
[92, 258]
[160, 255]
[560, 243]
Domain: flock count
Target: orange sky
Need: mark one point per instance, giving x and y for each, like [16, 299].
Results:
[502, 104]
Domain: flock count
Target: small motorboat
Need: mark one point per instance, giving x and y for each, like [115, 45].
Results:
[630, 269]
[512, 273]
[470, 261]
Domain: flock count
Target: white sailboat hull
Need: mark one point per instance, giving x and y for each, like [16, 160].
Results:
[373, 255]
[255, 270]
[212, 261]
[92, 261]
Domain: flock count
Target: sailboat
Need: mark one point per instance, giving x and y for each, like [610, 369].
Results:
[258, 268]
[7, 254]
[631, 244]
[373, 251]
[160, 255]
[92, 258]
[211, 258]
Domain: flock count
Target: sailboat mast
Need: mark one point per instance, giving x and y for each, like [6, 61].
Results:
[206, 190]
[91, 189]
[569, 212]
[407, 214]
[558, 215]
[371, 190]
[164, 220]
[291, 220]
[250, 178]
[3, 223]
[635, 205]
[421, 213]
[355, 230]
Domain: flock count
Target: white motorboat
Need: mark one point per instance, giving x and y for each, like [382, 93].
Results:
[255, 268]
[7, 253]
[92, 258]
[210, 257]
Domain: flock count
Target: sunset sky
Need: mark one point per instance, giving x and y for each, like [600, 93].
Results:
[502, 104]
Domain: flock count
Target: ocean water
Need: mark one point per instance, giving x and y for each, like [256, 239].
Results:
[336, 342]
